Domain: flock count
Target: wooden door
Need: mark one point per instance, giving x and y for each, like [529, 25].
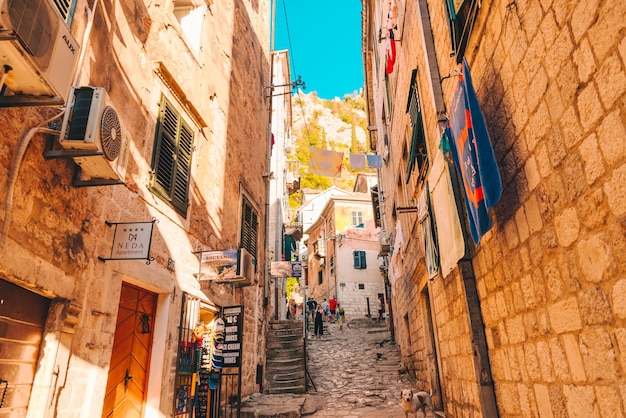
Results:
[22, 318]
[128, 374]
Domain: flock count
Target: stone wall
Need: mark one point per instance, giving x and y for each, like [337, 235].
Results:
[58, 231]
[550, 77]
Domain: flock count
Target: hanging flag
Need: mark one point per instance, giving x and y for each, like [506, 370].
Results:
[473, 155]
[449, 232]
[374, 161]
[357, 160]
[325, 163]
[391, 52]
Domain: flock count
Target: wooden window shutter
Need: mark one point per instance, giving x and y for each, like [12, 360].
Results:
[172, 157]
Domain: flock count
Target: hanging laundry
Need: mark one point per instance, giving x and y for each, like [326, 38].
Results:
[325, 163]
[474, 156]
[391, 52]
[357, 160]
[449, 232]
[374, 161]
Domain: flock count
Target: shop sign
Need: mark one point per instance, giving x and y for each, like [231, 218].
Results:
[131, 241]
[233, 333]
[280, 269]
[218, 265]
[296, 269]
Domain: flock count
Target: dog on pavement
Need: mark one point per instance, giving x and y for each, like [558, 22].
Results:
[415, 401]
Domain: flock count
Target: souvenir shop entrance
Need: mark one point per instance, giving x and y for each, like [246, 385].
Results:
[209, 348]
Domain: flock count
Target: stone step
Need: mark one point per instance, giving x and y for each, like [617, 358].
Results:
[286, 389]
[292, 377]
[285, 353]
[287, 343]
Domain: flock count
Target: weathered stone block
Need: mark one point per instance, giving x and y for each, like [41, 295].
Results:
[565, 316]
[559, 360]
[580, 401]
[567, 227]
[595, 257]
[574, 358]
[542, 397]
[592, 159]
[619, 298]
[595, 307]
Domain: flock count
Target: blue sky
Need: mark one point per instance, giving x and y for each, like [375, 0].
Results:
[325, 44]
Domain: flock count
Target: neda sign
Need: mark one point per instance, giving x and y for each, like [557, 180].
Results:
[131, 241]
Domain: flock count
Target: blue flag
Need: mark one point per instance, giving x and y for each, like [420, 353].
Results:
[473, 156]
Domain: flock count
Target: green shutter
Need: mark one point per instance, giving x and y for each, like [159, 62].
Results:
[249, 227]
[172, 157]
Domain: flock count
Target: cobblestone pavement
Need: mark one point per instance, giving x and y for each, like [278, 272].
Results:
[357, 373]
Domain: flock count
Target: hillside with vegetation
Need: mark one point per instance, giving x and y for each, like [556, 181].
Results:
[336, 125]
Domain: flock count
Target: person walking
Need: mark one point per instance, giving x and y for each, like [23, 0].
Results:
[326, 307]
[319, 322]
[311, 304]
[332, 306]
[341, 316]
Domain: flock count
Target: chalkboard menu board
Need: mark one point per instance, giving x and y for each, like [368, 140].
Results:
[233, 333]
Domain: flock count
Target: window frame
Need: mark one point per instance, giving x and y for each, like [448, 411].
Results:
[181, 144]
[359, 258]
[418, 136]
[358, 215]
[249, 228]
[460, 24]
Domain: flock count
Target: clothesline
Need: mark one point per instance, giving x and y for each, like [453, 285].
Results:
[329, 163]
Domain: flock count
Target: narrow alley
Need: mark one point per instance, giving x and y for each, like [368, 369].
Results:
[356, 372]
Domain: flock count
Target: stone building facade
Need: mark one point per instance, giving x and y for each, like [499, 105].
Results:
[187, 81]
[530, 320]
[343, 256]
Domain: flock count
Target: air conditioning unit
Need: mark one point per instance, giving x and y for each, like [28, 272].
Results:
[92, 125]
[38, 48]
[245, 267]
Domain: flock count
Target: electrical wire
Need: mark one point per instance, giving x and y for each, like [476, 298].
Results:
[292, 62]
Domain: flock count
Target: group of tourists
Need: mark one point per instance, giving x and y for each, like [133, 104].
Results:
[327, 311]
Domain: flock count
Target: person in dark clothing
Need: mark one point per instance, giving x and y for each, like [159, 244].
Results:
[319, 321]
[311, 305]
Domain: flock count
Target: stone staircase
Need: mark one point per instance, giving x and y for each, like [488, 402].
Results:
[285, 371]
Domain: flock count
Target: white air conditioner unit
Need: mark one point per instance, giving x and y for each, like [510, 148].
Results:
[38, 48]
[92, 125]
[245, 268]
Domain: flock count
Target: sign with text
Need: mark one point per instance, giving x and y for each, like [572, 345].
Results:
[131, 241]
[296, 269]
[233, 333]
[218, 265]
[280, 269]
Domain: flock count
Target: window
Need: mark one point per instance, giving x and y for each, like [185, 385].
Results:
[249, 227]
[361, 286]
[357, 219]
[66, 8]
[320, 277]
[171, 161]
[419, 151]
[359, 260]
[190, 14]
[461, 16]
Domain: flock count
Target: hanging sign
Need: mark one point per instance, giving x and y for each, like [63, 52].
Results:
[296, 269]
[131, 241]
[280, 269]
[218, 265]
[233, 333]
